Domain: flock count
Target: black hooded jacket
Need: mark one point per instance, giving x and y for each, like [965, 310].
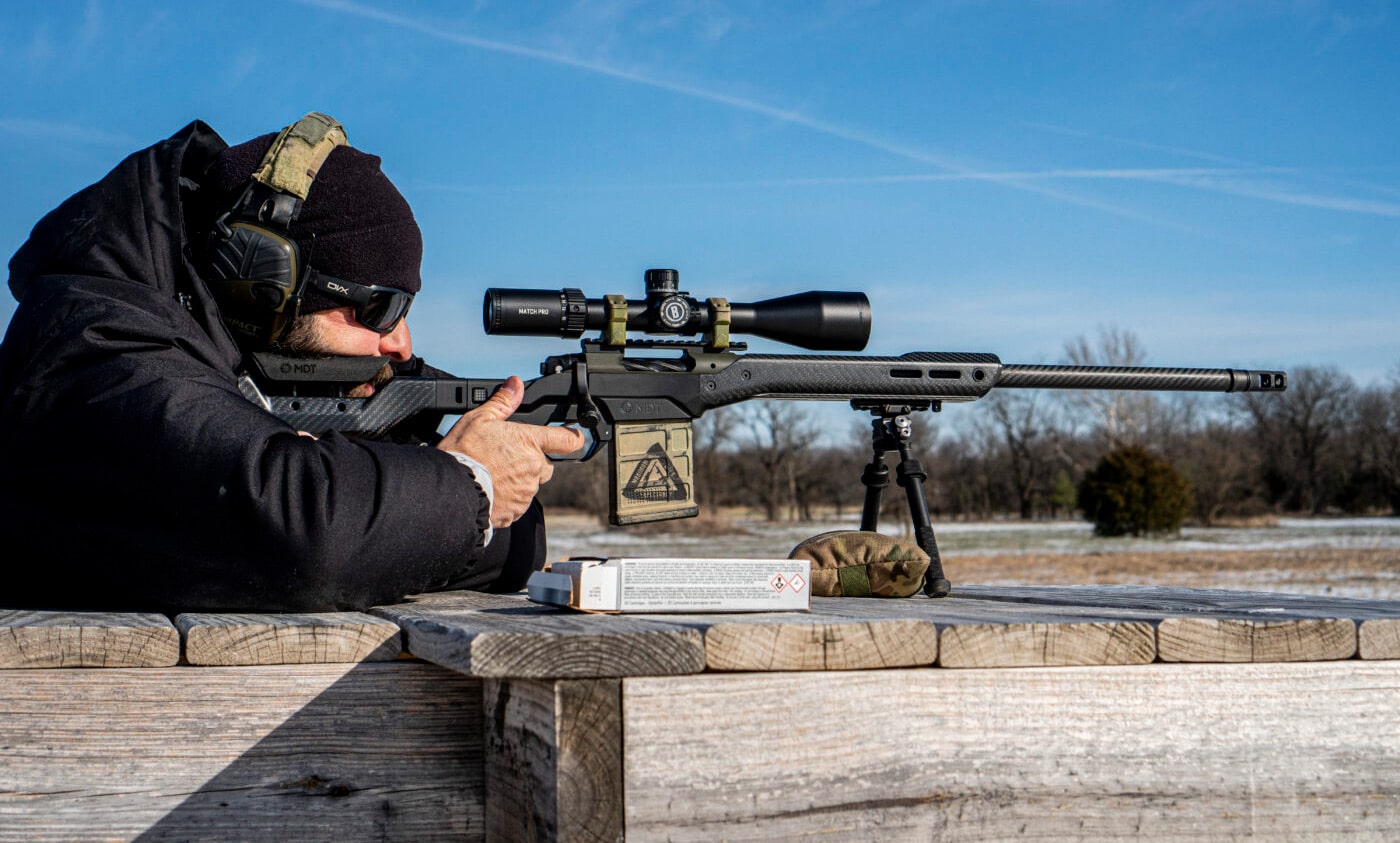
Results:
[136, 475]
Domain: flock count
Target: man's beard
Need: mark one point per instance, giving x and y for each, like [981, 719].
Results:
[303, 339]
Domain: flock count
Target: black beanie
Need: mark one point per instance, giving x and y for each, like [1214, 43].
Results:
[354, 224]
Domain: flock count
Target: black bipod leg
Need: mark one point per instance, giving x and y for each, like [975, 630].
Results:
[892, 433]
[911, 475]
[876, 477]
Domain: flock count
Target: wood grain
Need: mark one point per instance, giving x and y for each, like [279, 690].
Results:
[993, 633]
[250, 639]
[1165, 601]
[1046, 644]
[499, 635]
[86, 639]
[311, 752]
[820, 646]
[1379, 639]
[830, 637]
[554, 760]
[505, 635]
[1215, 625]
[1249, 640]
[1160, 751]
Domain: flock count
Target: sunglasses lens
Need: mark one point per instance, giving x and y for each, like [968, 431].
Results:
[377, 308]
[384, 309]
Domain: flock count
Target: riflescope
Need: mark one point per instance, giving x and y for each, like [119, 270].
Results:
[818, 320]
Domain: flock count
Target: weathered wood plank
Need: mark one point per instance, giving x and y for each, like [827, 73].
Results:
[1161, 751]
[249, 639]
[505, 635]
[1379, 639]
[991, 633]
[554, 760]
[820, 646]
[1214, 625]
[372, 751]
[1248, 640]
[1046, 644]
[1167, 601]
[835, 635]
[86, 639]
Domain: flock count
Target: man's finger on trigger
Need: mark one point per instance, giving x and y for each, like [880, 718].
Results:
[561, 440]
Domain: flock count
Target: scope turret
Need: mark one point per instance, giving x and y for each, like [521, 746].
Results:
[818, 320]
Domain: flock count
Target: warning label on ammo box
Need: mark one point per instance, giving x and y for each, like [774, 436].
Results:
[727, 584]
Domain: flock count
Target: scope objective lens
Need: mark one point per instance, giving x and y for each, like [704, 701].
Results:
[514, 312]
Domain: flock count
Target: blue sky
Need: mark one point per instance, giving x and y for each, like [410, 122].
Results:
[1220, 178]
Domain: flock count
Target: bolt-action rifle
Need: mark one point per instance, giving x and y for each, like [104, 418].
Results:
[641, 408]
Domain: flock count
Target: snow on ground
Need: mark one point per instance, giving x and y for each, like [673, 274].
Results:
[583, 537]
[1345, 557]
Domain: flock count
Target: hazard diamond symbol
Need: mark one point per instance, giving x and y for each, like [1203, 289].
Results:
[796, 583]
[778, 583]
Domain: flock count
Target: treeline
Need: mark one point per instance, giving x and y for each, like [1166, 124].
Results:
[1326, 445]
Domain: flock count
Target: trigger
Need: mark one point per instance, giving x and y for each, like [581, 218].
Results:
[592, 445]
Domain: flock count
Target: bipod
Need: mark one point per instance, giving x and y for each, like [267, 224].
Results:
[891, 431]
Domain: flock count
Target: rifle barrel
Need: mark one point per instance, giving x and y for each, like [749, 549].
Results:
[1023, 376]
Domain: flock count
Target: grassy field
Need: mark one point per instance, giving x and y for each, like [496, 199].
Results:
[1351, 557]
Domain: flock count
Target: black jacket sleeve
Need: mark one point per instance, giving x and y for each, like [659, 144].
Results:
[137, 475]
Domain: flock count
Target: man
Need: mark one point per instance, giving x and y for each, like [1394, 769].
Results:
[139, 470]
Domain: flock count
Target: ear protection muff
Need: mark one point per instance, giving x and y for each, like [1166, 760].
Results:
[254, 268]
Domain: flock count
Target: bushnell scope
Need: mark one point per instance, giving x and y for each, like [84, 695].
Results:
[820, 321]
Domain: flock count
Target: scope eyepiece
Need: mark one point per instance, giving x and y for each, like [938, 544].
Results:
[819, 321]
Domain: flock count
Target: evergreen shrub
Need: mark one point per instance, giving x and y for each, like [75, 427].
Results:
[1134, 492]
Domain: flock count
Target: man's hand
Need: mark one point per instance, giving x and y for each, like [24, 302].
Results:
[514, 453]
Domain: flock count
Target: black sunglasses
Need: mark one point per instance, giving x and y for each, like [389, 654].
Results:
[377, 308]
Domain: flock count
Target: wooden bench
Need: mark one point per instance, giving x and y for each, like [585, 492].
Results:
[1086, 712]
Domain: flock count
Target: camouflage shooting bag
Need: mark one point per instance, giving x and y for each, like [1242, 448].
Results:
[855, 563]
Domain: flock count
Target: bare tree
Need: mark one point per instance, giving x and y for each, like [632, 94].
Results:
[1119, 418]
[776, 457]
[1295, 432]
[963, 475]
[715, 442]
[1221, 467]
[836, 472]
[1022, 421]
[1373, 451]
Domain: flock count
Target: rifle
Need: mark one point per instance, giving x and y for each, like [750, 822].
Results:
[641, 408]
